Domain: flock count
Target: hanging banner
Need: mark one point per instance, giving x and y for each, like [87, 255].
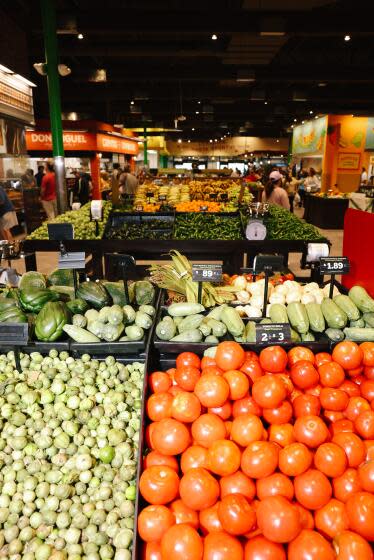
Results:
[370, 134]
[106, 143]
[42, 141]
[309, 138]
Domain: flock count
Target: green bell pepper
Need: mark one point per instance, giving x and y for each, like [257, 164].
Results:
[33, 299]
[50, 321]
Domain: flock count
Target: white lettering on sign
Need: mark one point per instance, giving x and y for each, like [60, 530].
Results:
[69, 138]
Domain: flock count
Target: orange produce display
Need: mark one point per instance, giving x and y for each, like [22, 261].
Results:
[261, 457]
[197, 205]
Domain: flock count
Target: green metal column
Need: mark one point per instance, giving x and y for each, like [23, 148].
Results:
[53, 80]
[145, 148]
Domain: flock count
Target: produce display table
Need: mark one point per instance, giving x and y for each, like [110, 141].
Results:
[325, 212]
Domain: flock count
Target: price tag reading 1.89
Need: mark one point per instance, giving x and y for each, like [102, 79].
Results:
[207, 273]
[334, 265]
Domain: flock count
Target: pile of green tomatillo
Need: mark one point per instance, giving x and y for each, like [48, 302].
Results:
[69, 432]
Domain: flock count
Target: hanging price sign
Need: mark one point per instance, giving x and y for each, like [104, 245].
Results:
[334, 265]
[207, 273]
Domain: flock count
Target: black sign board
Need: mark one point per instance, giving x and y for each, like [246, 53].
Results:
[268, 263]
[334, 265]
[203, 208]
[224, 197]
[72, 261]
[273, 333]
[149, 194]
[60, 232]
[207, 273]
[14, 334]
[213, 196]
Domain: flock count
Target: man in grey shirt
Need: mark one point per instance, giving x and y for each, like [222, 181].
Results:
[128, 183]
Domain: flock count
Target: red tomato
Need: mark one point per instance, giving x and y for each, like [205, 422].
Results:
[330, 459]
[331, 374]
[333, 399]
[159, 382]
[306, 517]
[151, 551]
[237, 483]
[300, 353]
[331, 519]
[236, 515]
[312, 489]
[367, 389]
[212, 369]
[351, 388]
[229, 355]
[207, 361]
[295, 459]
[310, 430]
[346, 485]
[273, 359]
[348, 354]
[246, 406]
[198, 489]
[276, 484]
[207, 429]
[342, 425]
[224, 411]
[182, 542]
[159, 485]
[369, 372]
[349, 546]
[332, 415]
[360, 510]
[186, 407]
[278, 519]
[209, 520]
[222, 546]
[149, 434]
[280, 415]
[194, 457]
[159, 406]
[155, 458]
[269, 391]
[238, 384]
[304, 375]
[355, 406]
[153, 522]
[246, 428]
[187, 377]
[184, 514]
[170, 437]
[353, 446]
[322, 358]
[310, 545]
[223, 457]
[369, 446]
[187, 359]
[260, 548]
[306, 405]
[253, 369]
[364, 424]
[367, 349]
[282, 434]
[212, 390]
[366, 476]
[260, 459]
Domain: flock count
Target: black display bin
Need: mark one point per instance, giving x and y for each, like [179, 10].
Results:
[325, 212]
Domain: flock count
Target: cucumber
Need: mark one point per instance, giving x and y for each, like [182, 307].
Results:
[298, 317]
[104, 314]
[205, 328]
[143, 320]
[308, 337]
[361, 299]
[216, 312]
[177, 320]
[190, 322]
[128, 314]
[369, 319]
[278, 313]
[115, 315]
[315, 316]
[295, 337]
[134, 332]
[359, 335]
[183, 309]
[80, 335]
[218, 328]
[211, 339]
[234, 323]
[359, 323]
[193, 335]
[335, 317]
[346, 304]
[96, 328]
[336, 335]
[165, 330]
[111, 333]
[250, 332]
[149, 309]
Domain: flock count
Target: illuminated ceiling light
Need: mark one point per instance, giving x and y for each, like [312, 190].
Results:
[295, 120]
[215, 140]
[292, 125]
[268, 160]
[302, 122]
[277, 141]
[310, 112]
[210, 140]
[132, 102]
[179, 140]
[192, 129]
[265, 103]
[252, 154]
[199, 102]
[245, 76]
[221, 137]
[80, 35]
[214, 37]
[188, 141]
[316, 117]
[197, 112]
[347, 38]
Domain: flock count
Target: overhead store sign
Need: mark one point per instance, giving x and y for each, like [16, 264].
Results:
[16, 96]
[81, 141]
[310, 138]
[235, 146]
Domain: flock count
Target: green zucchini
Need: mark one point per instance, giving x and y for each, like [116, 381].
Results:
[165, 330]
[115, 315]
[336, 335]
[216, 312]
[128, 314]
[218, 328]
[80, 335]
[359, 335]
[369, 319]
[295, 337]
[205, 328]
[143, 320]
[96, 328]
[190, 322]
[183, 309]
[250, 332]
[194, 335]
[335, 317]
[359, 323]
[79, 320]
[266, 321]
[361, 299]
[149, 309]
[177, 320]
[346, 304]
[298, 317]
[111, 332]
[104, 314]
[211, 339]
[134, 332]
[278, 313]
[315, 316]
[234, 323]
[308, 337]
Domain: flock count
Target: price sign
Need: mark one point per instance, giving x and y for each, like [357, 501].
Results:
[213, 196]
[203, 208]
[60, 232]
[72, 261]
[334, 265]
[149, 194]
[224, 197]
[162, 197]
[207, 273]
[273, 333]
[139, 208]
[14, 334]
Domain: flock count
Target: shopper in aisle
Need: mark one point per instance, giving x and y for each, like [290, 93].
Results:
[364, 176]
[114, 182]
[48, 192]
[39, 175]
[8, 217]
[82, 188]
[312, 183]
[28, 179]
[274, 192]
[128, 183]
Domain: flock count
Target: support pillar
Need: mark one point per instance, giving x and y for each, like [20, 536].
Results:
[95, 174]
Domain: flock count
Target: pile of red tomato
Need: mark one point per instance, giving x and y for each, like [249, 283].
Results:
[261, 457]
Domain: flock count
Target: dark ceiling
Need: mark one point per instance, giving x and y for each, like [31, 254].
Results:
[160, 55]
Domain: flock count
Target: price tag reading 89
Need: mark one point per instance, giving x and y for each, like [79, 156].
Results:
[207, 273]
